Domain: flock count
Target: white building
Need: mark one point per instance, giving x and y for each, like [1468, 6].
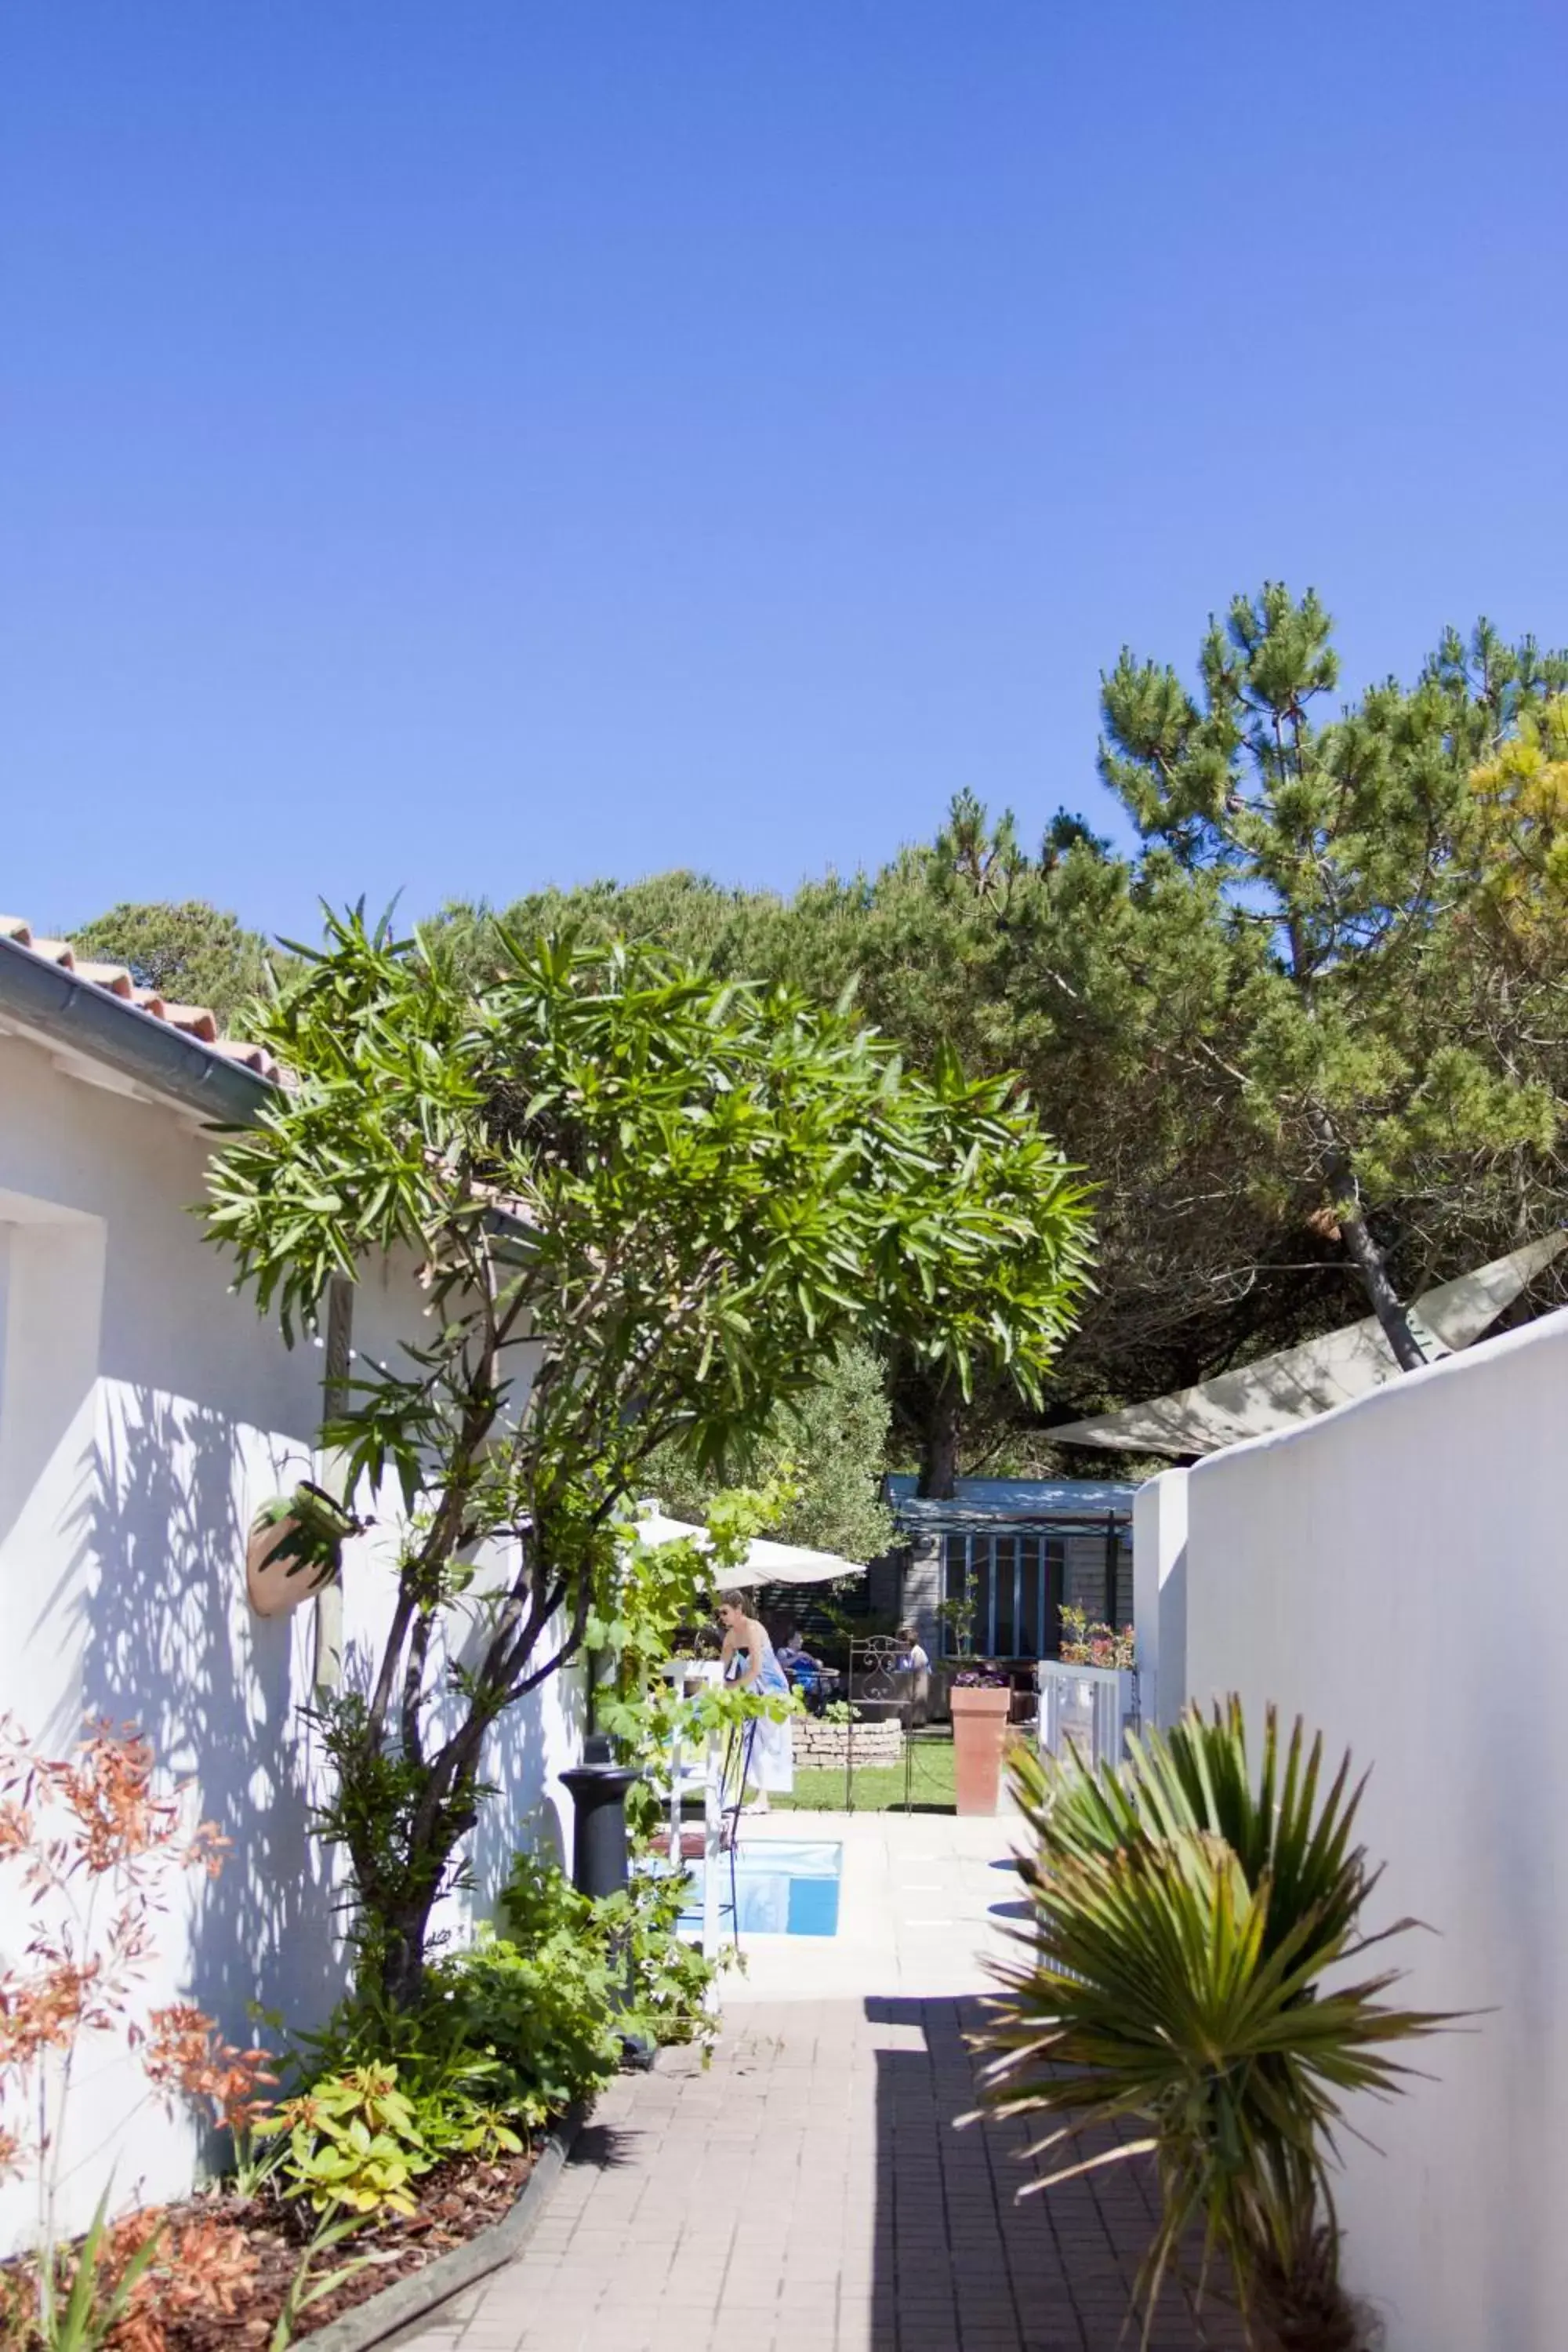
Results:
[146, 1413]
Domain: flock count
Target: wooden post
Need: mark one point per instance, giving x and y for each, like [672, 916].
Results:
[329, 1670]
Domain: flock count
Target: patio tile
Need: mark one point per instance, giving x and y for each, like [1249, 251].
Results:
[809, 2193]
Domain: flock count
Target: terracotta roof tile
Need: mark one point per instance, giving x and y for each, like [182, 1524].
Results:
[112, 976]
[195, 1020]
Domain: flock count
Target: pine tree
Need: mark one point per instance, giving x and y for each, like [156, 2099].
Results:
[1337, 843]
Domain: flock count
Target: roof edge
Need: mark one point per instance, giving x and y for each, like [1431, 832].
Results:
[74, 1011]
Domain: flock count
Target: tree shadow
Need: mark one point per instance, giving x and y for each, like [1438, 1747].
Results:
[957, 2258]
[168, 1643]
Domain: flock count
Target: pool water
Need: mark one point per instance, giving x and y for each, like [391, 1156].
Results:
[784, 1886]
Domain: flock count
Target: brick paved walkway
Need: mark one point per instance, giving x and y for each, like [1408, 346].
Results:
[808, 2193]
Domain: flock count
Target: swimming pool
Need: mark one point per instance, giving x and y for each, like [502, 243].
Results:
[784, 1886]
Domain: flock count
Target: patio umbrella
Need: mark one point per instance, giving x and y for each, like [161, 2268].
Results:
[766, 1562]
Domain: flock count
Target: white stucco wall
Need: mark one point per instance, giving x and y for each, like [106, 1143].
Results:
[1394, 1572]
[1160, 1595]
[145, 1415]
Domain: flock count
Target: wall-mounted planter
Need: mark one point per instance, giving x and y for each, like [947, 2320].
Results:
[296, 1547]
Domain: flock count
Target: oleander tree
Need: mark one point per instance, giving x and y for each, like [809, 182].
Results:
[648, 1207]
[1115, 988]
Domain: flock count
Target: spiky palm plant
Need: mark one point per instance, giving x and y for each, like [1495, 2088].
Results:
[1185, 1917]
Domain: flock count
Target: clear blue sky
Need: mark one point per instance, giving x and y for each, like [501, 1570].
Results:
[458, 446]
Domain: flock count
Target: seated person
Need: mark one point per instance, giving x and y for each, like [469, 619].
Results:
[792, 1654]
[804, 1670]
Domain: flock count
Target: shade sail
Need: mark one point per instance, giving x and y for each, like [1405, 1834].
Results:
[1298, 1382]
[766, 1562]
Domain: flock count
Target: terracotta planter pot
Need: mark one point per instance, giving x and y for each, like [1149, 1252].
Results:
[979, 1734]
[292, 1554]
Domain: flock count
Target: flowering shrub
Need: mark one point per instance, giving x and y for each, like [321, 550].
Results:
[96, 1849]
[980, 1678]
[1084, 1644]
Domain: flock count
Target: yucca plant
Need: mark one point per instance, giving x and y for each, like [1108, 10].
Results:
[1185, 1917]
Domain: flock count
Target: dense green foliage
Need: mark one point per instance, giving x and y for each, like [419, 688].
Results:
[1186, 1916]
[648, 1207]
[823, 1453]
[661, 1981]
[1307, 1063]
[1340, 854]
[507, 2035]
[1307, 1039]
[190, 952]
[659, 1593]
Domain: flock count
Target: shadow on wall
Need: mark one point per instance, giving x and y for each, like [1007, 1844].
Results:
[168, 1642]
[520, 1815]
[520, 1760]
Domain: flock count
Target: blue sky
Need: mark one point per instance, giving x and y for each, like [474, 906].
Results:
[454, 447]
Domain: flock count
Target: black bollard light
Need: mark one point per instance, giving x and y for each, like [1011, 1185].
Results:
[598, 1787]
[599, 1861]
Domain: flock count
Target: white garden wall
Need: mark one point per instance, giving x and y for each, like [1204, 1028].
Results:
[145, 1413]
[1397, 1573]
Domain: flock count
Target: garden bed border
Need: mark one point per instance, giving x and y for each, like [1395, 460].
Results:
[410, 2298]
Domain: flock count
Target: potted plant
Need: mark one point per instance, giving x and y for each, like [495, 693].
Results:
[296, 1547]
[1184, 1994]
[979, 1699]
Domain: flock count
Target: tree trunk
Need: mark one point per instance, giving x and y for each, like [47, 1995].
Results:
[1362, 1251]
[939, 1460]
[1386, 1304]
[402, 1962]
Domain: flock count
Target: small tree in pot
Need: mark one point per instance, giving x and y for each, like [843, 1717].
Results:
[646, 1206]
[1185, 1917]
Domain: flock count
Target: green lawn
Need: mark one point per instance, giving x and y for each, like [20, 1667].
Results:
[880, 1789]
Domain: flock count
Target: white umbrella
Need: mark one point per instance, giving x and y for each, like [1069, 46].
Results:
[766, 1562]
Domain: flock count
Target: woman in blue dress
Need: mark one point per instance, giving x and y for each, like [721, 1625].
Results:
[751, 1663]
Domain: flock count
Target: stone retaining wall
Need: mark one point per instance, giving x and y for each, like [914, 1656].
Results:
[822, 1745]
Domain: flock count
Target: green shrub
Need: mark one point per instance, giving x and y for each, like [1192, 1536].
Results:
[662, 1979]
[542, 2020]
[500, 2033]
[1184, 1919]
[354, 2142]
[509, 2034]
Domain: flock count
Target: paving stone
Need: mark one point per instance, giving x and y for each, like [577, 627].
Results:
[809, 2192]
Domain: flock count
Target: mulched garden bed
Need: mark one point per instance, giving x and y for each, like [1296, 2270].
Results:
[456, 2202]
[258, 2244]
